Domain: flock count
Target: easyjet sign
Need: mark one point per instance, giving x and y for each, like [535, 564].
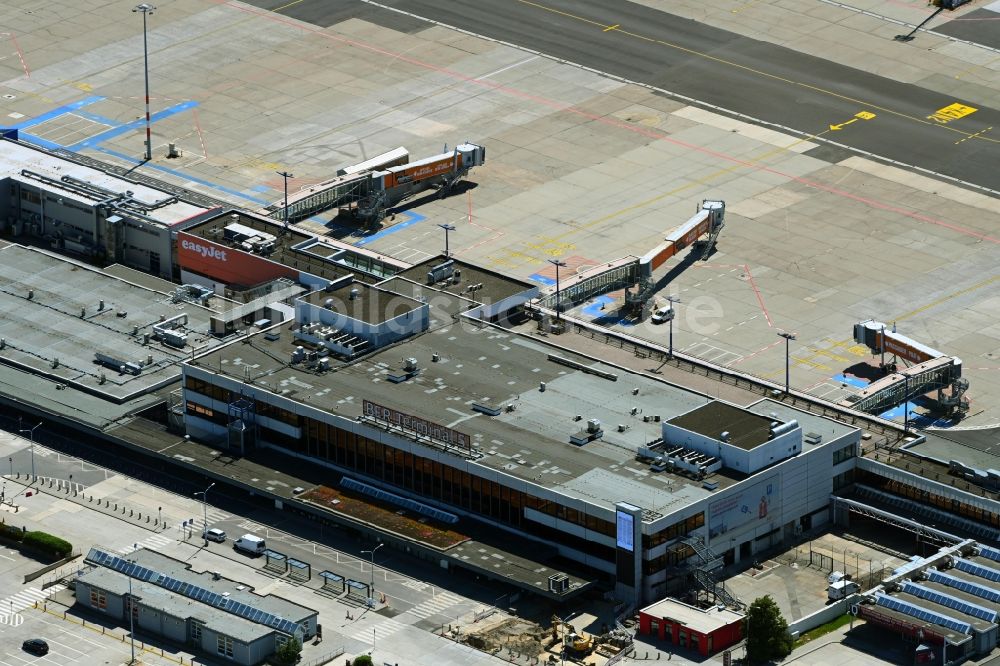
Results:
[206, 251]
[225, 264]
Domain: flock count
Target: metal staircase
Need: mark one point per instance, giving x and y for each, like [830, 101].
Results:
[704, 572]
[713, 235]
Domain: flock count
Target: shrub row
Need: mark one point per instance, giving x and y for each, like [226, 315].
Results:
[47, 543]
[11, 532]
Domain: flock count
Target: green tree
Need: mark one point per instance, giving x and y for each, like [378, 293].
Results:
[362, 660]
[767, 631]
[288, 653]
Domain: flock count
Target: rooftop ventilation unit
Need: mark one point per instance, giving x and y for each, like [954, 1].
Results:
[410, 365]
[593, 425]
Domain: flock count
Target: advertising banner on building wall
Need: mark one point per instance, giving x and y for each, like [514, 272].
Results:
[736, 511]
[226, 264]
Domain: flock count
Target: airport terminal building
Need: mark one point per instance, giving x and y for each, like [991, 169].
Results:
[624, 473]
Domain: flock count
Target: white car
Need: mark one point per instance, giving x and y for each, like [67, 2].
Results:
[661, 315]
[215, 534]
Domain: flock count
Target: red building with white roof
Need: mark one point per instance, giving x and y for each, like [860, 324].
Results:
[706, 630]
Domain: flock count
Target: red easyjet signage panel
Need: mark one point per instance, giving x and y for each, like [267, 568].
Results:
[225, 264]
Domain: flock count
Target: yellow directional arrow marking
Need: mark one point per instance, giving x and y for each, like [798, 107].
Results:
[860, 115]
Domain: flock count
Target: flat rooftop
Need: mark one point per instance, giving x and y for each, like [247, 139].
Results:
[364, 302]
[746, 429]
[702, 621]
[300, 250]
[56, 333]
[483, 370]
[16, 156]
[175, 605]
[475, 282]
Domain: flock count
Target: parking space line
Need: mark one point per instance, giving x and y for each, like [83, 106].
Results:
[76, 637]
[63, 645]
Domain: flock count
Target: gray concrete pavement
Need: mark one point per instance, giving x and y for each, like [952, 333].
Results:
[768, 82]
[404, 625]
[580, 166]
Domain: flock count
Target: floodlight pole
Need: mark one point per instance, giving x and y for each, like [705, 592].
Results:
[673, 313]
[31, 435]
[204, 511]
[447, 228]
[788, 338]
[131, 612]
[906, 406]
[146, 9]
[286, 176]
[371, 589]
[557, 263]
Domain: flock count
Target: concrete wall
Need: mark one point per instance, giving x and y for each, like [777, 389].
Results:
[115, 606]
[162, 624]
[823, 615]
[734, 457]
[378, 335]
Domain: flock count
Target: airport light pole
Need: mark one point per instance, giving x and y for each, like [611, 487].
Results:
[146, 9]
[131, 611]
[673, 313]
[557, 263]
[371, 590]
[204, 511]
[447, 229]
[906, 406]
[31, 435]
[788, 338]
[286, 176]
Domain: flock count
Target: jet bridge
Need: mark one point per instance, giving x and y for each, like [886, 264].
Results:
[925, 369]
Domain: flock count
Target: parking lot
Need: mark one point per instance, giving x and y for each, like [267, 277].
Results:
[71, 639]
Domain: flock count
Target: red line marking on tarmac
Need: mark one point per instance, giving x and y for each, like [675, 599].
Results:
[620, 124]
[762, 349]
[201, 137]
[760, 299]
[497, 233]
[20, 55]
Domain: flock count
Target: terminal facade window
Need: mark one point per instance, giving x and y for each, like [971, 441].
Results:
[844, 453]
[451, 486]
[98, 599]
[954, 505]
[417, 474]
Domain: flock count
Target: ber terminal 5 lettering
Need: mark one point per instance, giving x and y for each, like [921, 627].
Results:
[417, 425]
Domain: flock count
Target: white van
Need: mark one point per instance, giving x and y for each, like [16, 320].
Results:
[660, 315]
[250, 544]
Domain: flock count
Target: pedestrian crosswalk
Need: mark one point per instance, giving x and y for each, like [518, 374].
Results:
[435, 605]
[11, 606]
[153, 542]
[379, 632]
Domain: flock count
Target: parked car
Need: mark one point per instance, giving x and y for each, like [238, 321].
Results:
[35, 646]
[250, 544]
[661, 315]
[214, 534]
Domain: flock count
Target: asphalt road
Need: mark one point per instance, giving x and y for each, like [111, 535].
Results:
[717, 67]
[981, 26]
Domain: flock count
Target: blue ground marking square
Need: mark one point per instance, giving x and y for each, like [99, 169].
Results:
[412, 218]
[58, 111]
[597, 307]
[98, 139]
[856, 382]
[542, 279]
[261, 188]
